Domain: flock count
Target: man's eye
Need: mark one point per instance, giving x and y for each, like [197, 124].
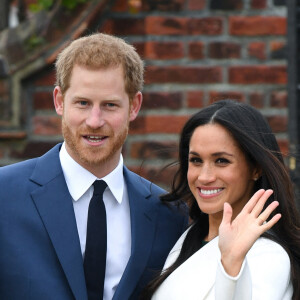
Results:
[83, 103]
[110, 104]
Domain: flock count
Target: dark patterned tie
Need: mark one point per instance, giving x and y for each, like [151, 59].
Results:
[95, 248]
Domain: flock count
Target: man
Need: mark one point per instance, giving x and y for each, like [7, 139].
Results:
[45, 215]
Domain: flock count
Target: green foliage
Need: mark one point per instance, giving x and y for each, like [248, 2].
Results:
[33, 42]
[47, 4]
[41, 5]
[71, 4]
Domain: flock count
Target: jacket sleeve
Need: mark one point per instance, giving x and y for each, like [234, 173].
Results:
[265, 274]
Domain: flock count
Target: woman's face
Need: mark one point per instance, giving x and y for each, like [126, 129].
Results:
[218, 170]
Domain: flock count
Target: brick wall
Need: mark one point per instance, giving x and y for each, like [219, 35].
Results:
[196, 52]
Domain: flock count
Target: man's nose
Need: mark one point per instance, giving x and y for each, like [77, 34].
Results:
[95, 118]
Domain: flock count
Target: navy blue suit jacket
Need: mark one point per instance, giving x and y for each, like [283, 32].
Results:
[40, 256]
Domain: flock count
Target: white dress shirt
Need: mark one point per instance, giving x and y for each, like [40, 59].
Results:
[115, 197]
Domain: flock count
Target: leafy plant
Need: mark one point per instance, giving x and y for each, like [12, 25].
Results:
[48, 4]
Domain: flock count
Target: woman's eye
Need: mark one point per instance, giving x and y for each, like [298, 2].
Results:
[195, 160]
[222, 161]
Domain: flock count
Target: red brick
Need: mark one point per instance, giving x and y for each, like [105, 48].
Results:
[196, 50]
[279, 99]
[107, 27]
[205, 26]
[221, 50]
[258, 74]
[276, 45]
[257, 25]
[258, 4]
[154, 150]
[159, 5]
[216, 96]
[120, 6]
[196, 4]
[226, 4]
[278, 50]
[140, 48]
[32, 149]
[257, 50]
[135, 6]
[165, 25]
[256, 99]
[195, 99]
[12, 135]
[1, 153]
[278, 123]
[47, 125]
[182, 74]
[47, 79]
[127, 26]
[284, 146]
[164, 50]
[4, 87]
[158, 100]
[43, 100]
[162, 176]
[158, 124]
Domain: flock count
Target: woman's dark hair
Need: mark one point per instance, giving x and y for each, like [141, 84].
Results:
[254, 136]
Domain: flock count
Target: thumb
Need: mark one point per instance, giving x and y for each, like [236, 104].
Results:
[227, 214]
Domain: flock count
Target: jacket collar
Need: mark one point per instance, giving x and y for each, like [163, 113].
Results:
[143, 224]
[54, 205]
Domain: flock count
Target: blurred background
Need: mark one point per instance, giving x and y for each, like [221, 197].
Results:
[195, 52]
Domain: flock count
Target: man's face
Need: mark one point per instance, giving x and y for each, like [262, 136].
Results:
[95, 116]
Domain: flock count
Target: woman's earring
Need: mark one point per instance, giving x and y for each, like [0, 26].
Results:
[255, 178]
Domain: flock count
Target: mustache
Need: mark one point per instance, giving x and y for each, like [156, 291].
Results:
[91, 131]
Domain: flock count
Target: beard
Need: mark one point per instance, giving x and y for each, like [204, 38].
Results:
[87, 155]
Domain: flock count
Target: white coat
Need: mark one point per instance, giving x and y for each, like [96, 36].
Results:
[265, 275]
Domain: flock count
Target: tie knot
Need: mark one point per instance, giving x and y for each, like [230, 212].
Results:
[99, 187]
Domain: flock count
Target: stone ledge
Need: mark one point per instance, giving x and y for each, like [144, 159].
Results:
[10, 135]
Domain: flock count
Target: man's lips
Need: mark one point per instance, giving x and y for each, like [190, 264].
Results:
[95, 138]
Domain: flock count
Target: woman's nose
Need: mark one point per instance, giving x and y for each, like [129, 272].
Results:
[206, 174]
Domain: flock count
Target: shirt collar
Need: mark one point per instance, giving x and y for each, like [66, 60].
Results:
[78, 184]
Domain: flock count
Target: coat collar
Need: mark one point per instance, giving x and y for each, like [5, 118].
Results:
[54, 205]
[143, 223]
[198, 273]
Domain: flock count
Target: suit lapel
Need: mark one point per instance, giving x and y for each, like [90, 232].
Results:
[143, 220]
[54, 205]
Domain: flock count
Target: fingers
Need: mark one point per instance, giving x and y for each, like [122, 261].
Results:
[261, 202]
[253, 200]
[267, 212]
[257, 201]
[227, 214]
[268, 225]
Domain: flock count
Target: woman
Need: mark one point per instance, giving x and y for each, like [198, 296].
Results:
[236, 248]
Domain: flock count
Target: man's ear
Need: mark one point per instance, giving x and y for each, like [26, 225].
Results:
[135, 105]
[58, 100]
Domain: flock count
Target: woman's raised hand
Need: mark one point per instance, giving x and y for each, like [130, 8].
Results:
[237, 237]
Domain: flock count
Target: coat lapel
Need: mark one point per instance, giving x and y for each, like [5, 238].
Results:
[143, 222]
[54, 204]
[197, 276]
